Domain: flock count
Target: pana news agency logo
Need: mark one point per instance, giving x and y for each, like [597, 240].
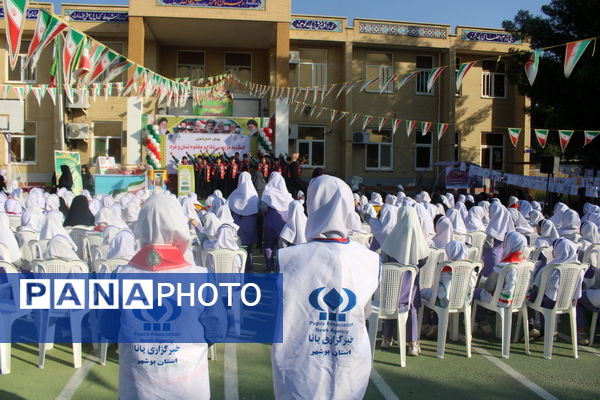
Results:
[332, 305]
[158, 318]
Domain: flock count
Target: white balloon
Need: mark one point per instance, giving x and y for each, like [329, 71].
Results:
[155, 127]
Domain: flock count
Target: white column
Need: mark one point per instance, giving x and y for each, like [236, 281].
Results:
[134, 130]
[282, 127]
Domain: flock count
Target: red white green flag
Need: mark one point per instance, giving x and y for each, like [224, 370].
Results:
[514, 134]
[52, 94]
[410, 125]
[367, 83]
[342, 115]
[542, 136]
[341, 89]
[433, 76]
[573, 52]
[387, 83]
[441, 129]
[334, 114]
[103, 64]
[395, 125]
[425, 127]
[46, 30]
[532, 65]
[353, 119]
[14, 14]
[352, 86]
[462, 71]
[73, 41]
[118, 66]
[84, 62]
[407, 78]
[38, 93]
[589, 136]
[366, 120]
[382, 122]
[565, 137]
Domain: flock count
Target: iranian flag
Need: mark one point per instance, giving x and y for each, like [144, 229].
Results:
[514, 134]
[103, 64]
[118, 66]
[353, 119]
[395, 126]
[46, 30]
[73, 40]
[14, 13]
[407, 78]
[573, 52]
[366, 120]
[433, 76]
[84, 62]
[441, 129]
[532, 65]
[589, 136]
[565, 137]
[542, 136]
[410, 125]
[425, 127]
[462, 71]
[382, 122]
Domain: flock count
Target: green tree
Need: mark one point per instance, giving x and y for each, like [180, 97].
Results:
[558, 102]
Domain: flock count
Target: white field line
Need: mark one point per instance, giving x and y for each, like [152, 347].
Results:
[384, 389]
[231, 372]
[585, 348]
[69, 390]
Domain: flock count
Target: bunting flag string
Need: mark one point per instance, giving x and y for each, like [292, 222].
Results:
[565, 137]
[434, 76]
[541, 136]
[589, 136]
[395, 126]
[462, 71]
[441, 129]
[573, 52]
[532, 65]
[410, 125]
[425, 127]
[14, 14]
[514, 134]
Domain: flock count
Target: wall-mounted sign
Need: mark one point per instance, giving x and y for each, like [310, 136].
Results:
[376, 28]
[486, 36]
[312, 24]
[248, 4]
[32, 13]
[97, 16]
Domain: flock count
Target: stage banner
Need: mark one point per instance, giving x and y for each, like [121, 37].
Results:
[185, 180]
[113, 183]
[219, 104]
[72, 160]
[458, 177]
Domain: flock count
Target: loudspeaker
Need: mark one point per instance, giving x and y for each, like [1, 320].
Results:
[549, 165]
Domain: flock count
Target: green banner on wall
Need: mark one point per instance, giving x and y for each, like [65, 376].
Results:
[71, 159]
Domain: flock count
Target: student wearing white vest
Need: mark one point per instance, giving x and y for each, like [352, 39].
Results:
[327, 284]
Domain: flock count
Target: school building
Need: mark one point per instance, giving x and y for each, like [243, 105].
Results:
[263, 42]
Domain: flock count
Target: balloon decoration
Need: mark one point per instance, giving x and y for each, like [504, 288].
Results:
[264, 140]
[153, 147]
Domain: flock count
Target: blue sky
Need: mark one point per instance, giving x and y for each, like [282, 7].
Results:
[484, 13]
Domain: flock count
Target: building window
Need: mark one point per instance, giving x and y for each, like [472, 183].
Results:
[492, 150]
[378, 151]
[19, 75]
[311, 144]
[424, 65]
[239, 64]
[493, 80]
[23, 147]
[107, 140]
[380, 65]
[423, 151]
[312, 69]
[190, 64]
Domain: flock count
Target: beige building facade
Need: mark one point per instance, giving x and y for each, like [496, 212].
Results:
[268, 45]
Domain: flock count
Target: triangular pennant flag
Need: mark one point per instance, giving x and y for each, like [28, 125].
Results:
[382, 121]
[118, 66]
[410, 125]
[36, 93]
[3, 90]
[387, 83]
[342, 115]
[19, 91]
[331, 88]
[565, 137]
[52, 94]
[14, 13]
[68, 92]
[366, 120]
[532, 65]
[433, 77]
[316, 92]
[321, 109]
[323, 90]
[341, 89]
[107, 90]
[589, 136]
[367, 83]
[407, 78]
[297, 107]
[573, 52]
[352, 86]
[312, 111]
[441, 129]
[395, 126]
[73, 41]
[103, 64]
[84, 64]
[462, 71]
[542, 136]
[514, 134]
[26, 90]
[425, 127]
[353, 119]
[333, 114]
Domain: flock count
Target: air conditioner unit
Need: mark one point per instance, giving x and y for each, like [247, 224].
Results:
[80, 99]
[293, 131]
[294, 57]
[360, 137]
[77, 131]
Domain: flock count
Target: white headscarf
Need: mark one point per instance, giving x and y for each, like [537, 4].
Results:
[382, 227]
[564, 251]
[570, 223]
[455, 217]
[330, 208]
[525, 208]
[460, 206]
[13, 207]
[376, 199]
[132, 211]
[514, 242]
[225, 217]
[53, 226]
[548, 234]
[294, 230]
[107, 201]
[61, 246]
[122, 245]
[188, 209]
[521, 224]
[30, 222]
[162, 222]
[363, 200]
[225, 239]
[390, 199]
[276, 194]
[244, 200]
[109, 234]
[107, 217]
[426, 220]
[456, 250]
[500, 221]
[8, 239]
[406, 243]
[94, 206]
[486, 211]
[535, 216]
[589, 235]
[512, 201]
[210, 226]
[559, 211]
[444, 233]
[52, 203]
[450, 198]
[589, 209]
[535, 205]
[474, 221]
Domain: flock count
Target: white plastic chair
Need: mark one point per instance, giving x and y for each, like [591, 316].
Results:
[363, 238]
[390, 287]
[460, 236]
[472, 253]
[107, 266]
[365, 227]
[428, 270]
[461, 291]
[531, 238]
[38, 248]
[477, 240]
[523, 277]
[570, 280]
[9, 313]
[591, 256]
[98, 252]
[78, 234]
[23, 237]
[534, 255]
[14, 221]
[594, 314]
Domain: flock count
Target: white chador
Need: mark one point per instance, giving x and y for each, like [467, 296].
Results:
[327, 283]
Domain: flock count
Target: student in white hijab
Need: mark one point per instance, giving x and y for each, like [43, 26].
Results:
[547, 234]
[486, 211]
[406, 244]
[376, 199]
[426, 221]
[7, 238]
[474, 221]
[535, 205]
[94, 206]
[13, 207]
[512, 202]
[225, 239]
[525, 208]
[570, 225]
[190, 212]
[53, 226]
[52, 203]
[132, 211]
[521, 224]
[104, 218]
[462, 209]
[225, 217]
[450, 198]
[444, 233]
[210, 225]
[122, 245]
[589, 236]
[458, 224]
[107, 201]
[535, 217]
[275, 203]
[60, 246]
[500, 224]
[244, 205]
[165, 238]
[350, 274]
[294, 231]
[30, 222]
[382, 226]
[559, 211]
